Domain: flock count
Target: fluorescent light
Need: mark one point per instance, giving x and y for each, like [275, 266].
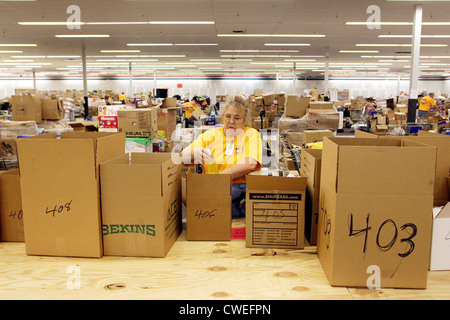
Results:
[63, 57]
[17, 45]
[273, 35]
[114, 23]
[51, 23]
[196, 44]
[149, 44]
[82, 36]
[396, 45]
[358, 51]
[182, 22]
[9, 51]
[298, 60]
[410, 36]
[119, 51]
[288, 44]
[365, 23]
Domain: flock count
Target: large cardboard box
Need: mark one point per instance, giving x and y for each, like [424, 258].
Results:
[310, 168]
[440, 242]
[26, 108]
[296, 105]
[324, 119]
[316, 135]
[140, 122]
[52, 109]
[321, 105]
[169, 103]
[375, 225]
[11, 213]
[141, 204]
[275, 212]
[208, 207]
[60, 191]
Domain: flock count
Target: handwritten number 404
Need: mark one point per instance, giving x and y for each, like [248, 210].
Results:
[59, 209]
[390, 244]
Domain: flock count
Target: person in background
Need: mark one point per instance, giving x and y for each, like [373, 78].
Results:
[426, 103]
[189, 107]
[235, 149]
[122, 98]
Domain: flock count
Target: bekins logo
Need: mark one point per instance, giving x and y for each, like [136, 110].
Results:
[148, 230]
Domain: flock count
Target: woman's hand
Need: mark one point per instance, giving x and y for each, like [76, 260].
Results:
[195, 155]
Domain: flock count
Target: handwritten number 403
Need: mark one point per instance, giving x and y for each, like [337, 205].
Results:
[390, 244]
[59, 209]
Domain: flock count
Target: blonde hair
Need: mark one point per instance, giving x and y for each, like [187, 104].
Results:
[239, 101]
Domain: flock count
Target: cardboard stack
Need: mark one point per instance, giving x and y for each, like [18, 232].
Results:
[11, 213]
[375, 226]
[272, 104]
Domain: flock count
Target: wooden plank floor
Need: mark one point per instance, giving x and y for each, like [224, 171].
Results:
[191, 270]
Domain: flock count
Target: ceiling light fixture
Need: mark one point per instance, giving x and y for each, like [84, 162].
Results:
[149, 44]
[82, 36]
[273, 35]
[181, 22]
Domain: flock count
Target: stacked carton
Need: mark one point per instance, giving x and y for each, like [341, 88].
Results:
[271, 105]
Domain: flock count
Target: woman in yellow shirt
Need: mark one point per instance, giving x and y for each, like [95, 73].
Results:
[235, 149]
[426, 103]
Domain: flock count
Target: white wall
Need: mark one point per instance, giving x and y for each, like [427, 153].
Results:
[376, 87]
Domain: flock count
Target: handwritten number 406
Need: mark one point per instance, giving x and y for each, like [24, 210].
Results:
[390, 244]
[59, 209]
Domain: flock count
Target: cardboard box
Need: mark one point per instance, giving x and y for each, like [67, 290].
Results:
[321, 105]
[167, 121]
[310, 168]
[60, 191]
[140, 122]
[323, 119]
[268, 99]
[141, 204]
[440, 242]
[275, 212]
[52, 109]
[107, 124]
[373, 219]
[169, 103]
[316, 135]
[296, 106]
[257, 123]
[208, 207]
[26, 108]
[11, 213]
[258, 92]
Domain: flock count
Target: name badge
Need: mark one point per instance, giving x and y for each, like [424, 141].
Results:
[230, 149]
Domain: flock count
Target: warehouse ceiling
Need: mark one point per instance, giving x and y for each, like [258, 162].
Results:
[220, 37]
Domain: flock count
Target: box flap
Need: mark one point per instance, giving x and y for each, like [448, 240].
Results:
[205, 185]
[275, 183]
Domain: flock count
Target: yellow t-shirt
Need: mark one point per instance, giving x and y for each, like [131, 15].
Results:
[122, 97]
[426, 103]
[228, 151]
[189, 107]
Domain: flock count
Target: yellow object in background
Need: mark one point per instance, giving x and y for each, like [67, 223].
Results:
[314, 145]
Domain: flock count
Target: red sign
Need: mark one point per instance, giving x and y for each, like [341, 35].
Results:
[179, 85]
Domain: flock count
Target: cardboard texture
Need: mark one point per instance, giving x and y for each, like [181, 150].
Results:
[167, 121]
[315, 135]
[442, 143]
[11, 213]
[440, 242]
[60, 191]
[52, 109]
[208, 207]
[375, 225]
[275, 212]
[141, 204]
[296, 106]
[26, 108]
[138, 122]
[310, 168]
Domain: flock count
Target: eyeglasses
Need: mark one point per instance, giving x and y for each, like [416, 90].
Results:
[229, 117]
